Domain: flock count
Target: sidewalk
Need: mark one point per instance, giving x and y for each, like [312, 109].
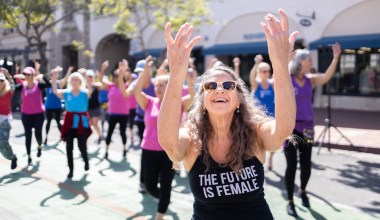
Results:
[343, 185]
[361, 128]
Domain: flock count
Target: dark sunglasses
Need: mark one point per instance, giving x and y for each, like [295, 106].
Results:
[227, 85]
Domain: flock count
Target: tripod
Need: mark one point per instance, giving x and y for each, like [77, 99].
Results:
[329, 124]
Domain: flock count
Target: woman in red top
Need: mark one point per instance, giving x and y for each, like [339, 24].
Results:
[6, 92]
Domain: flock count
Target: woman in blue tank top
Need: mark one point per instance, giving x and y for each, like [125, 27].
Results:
[262, 90]
[303, 82]
[227, 134]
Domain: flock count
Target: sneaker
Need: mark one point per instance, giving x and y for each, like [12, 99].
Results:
[39, 149]
[86, 167]
[305, 200]
[70, 175]
[291, 209]
[14, 163]
[142, 188]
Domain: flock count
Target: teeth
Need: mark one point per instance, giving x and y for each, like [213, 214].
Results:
[220, 100]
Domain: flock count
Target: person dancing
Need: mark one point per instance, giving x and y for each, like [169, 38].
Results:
[303, 82]
[157, 166]
[118, 108]
[76, 121]
[262, 90]
[6, 92]
[32, 107]
[227, 134]
[53, 104]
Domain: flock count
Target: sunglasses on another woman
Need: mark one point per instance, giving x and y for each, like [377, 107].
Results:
[227, 86]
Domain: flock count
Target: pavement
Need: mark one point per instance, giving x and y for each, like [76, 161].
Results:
[344, 184]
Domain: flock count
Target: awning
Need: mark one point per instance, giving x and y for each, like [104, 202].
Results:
[347, 42]
[155, 52]
[241, 48]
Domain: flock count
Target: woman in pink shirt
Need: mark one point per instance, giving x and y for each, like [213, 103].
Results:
[156, 164]
[32, 108]
[118, 108]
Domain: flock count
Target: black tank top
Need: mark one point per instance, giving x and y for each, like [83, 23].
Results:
[93, 102]
[222, 194]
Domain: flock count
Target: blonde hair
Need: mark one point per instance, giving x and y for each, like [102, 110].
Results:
[161, 78]
[80, 77]
[6, 88]
[244, 143]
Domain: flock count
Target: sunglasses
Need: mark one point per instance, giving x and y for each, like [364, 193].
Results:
[265, 71]
[227, 85]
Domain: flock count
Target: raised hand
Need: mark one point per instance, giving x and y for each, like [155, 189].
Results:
[70, 69]
[37, 65]
[105, 65]
[236, 61]
[258, 58]
[179, 49]
[337, 50]
[280, 43]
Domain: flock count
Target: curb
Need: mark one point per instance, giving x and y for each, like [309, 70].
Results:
[362, 149]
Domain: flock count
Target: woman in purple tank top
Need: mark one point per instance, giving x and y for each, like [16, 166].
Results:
[303, 83]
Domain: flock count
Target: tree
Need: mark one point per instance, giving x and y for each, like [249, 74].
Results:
[33, 18]
[135, 16]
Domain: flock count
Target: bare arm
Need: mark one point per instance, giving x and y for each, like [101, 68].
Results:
[188, 100]
[253, 73]
[123, 73]
[100, 74]
[236, 62]
[175, 142]
[321, 79]
[140, 96]
[63, 81]
[273, 133]
[54, 76]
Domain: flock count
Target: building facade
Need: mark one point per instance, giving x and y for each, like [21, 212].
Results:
[236, 33]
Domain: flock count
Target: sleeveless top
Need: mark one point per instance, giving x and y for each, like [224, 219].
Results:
[93, 102]
[266, 98]
[32, 100]
[52, 101]
[304, 94]
[222, 194]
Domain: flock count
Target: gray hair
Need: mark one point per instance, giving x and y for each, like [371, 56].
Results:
[295, 66]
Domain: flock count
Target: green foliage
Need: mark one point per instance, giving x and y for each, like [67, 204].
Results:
[134, 16]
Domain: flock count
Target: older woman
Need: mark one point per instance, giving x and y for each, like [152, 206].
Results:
[262, 89]
[76, 122]
[156, 165]
[303, 83]
[32, 108]
[6, 92]
[224, 142]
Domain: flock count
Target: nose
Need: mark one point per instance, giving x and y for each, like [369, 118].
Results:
[219, 88]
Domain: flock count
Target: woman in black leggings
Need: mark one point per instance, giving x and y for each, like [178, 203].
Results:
[53, 104]
[118, 108]
[32, 108]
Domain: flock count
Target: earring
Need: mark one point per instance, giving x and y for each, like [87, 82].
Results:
[237, 111]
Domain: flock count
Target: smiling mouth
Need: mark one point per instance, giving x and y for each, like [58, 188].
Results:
[220, 100]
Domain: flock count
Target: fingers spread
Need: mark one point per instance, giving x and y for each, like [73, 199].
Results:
[181, 33]
[187, 36]
[193, 42]
[276, 24]
[265, 28]
[284, 20]
[168, 33]
[293, 37]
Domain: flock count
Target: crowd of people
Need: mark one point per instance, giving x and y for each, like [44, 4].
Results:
[215, 125]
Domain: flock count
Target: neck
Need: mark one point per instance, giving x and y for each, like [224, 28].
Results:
[300, 76]
[75, 90]
[221, 125]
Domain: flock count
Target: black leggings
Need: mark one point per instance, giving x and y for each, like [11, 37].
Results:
[157, 166]
[29, 122]
[141, 128]
[131, 118]
[290, 151]
[112, 121]
[82, 145]
[49, 116]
